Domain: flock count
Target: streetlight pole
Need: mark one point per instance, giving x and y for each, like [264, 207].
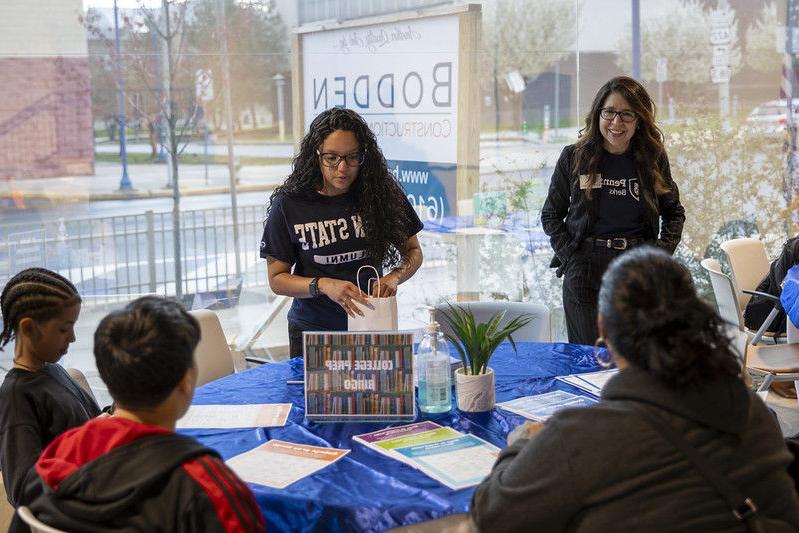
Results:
[222, 26]
[124, 182]
[280, 82]
[636, 7]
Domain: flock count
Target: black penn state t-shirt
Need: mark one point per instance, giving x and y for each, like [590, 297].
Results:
[620, 211]
[321, 237]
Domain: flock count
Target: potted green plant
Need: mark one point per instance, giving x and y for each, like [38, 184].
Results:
[476, 343]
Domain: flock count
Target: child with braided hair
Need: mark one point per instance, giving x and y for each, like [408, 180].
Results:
[38, 399]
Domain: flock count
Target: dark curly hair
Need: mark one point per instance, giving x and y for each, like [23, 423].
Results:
[649, 154]
[37, 293]
[144, 350]
[379, 198]
[656, 321]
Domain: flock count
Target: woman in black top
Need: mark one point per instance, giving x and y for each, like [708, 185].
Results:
[38, 399]
[610, 191]
[339, 209]
[609, 467]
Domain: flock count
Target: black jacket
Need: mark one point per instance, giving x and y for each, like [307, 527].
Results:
[605, 468]
[568, 217]
[35, 408]
[114, 475]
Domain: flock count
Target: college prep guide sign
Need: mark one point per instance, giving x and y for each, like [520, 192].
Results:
[402, 77]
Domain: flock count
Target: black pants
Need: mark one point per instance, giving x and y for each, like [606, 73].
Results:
[581, 280]
[295, 340]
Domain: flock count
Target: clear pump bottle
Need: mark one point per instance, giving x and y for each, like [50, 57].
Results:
[433, 369]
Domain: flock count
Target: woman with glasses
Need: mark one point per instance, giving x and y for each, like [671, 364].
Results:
[338, 210]
[610, 191]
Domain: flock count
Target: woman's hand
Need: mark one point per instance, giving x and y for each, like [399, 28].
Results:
[528, 430]
[345, 294]
[387, 285]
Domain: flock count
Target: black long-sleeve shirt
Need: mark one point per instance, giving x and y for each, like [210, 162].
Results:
[35, 408]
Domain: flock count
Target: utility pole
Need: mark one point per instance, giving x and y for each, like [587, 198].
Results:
[636, 7]
[231, 164]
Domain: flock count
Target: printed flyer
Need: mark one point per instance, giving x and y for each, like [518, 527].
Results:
[235, 416]
[278, 463]
[541, 406]
[450, 457]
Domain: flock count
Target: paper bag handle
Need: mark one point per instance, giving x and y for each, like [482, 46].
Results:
[358, 279]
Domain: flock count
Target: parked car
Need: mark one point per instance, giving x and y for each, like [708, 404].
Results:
[772, 116]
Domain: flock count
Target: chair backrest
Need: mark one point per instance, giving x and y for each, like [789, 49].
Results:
[539, 329]
[726, 295]
[36, 525]
[748, 263]
[6, 510]
[79, 378]
[213, 353]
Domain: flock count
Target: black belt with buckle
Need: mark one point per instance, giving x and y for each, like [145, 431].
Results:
[617, 243]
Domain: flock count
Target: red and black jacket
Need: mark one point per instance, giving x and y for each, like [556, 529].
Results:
[113, 474]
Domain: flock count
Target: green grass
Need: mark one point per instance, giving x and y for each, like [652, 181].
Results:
[192, 159]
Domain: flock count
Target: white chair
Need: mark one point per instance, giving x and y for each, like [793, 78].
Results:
[777, 362]
[749, 264]
[6, 510]
[213, 353]
[728, 303]
[539, 329]
[79, 378]
[36, 525]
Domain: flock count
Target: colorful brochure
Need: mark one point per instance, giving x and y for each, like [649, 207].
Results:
[541, 406]
[457, 463]
[455, 459]
[278, 463]
[590, 382]
[235, 416]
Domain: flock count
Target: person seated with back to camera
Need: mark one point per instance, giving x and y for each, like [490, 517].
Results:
[611, 466]
[131, 471]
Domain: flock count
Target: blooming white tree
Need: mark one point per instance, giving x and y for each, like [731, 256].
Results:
[761, 40]
[682, 37]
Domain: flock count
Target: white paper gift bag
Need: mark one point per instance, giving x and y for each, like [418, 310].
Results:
[383, 316]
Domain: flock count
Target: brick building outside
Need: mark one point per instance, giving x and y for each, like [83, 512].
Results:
[45, 98]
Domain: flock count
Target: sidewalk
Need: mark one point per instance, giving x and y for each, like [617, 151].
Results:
[506, 153]
[148, 181]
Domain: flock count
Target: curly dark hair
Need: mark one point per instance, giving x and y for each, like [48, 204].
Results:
[646, 145]
[379, 198]
[144, 350]
[37, 293]
[656, 321]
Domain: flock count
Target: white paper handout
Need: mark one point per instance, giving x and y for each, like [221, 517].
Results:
[542, 406]
[590, 382]
[278, 463]
[235, 416]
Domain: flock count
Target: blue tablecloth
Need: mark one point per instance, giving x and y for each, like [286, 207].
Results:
[790, 295]
[366, 491]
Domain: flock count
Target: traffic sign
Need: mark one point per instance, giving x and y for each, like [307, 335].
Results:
[720, 74]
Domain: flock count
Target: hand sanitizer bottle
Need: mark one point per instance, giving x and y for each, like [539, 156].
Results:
[433, 368]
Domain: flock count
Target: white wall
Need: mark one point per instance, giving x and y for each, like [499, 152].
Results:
[42, 28]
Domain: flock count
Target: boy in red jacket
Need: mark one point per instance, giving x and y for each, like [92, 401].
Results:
[131, 471]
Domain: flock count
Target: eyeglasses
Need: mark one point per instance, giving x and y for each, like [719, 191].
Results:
[609, 114]
[332, 160]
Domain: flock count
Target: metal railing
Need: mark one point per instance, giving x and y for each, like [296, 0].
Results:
[114, 257]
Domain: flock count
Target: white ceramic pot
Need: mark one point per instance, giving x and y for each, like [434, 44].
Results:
[475, 393]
